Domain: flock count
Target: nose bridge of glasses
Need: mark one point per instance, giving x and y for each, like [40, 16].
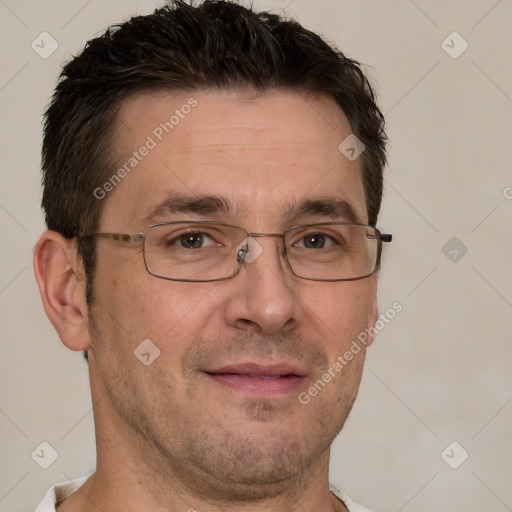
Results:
[249, 250]
[262, 235]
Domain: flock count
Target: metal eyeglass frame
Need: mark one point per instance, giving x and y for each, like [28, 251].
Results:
[141, 237]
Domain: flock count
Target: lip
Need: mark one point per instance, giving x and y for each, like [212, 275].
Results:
[260, 369]
[258, 379]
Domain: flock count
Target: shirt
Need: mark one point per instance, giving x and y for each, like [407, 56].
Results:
[60, 492]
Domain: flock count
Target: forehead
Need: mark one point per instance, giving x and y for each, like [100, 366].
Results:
[259, 153]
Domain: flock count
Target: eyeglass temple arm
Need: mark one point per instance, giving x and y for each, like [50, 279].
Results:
[381, 237]
[120, 237]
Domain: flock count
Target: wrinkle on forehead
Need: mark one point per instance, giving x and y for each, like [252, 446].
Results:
[290, 109]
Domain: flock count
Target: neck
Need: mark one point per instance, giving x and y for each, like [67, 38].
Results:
[105, 493]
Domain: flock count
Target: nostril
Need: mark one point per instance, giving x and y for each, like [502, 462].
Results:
[248, 325]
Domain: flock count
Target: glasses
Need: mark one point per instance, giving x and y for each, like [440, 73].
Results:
[202, 251]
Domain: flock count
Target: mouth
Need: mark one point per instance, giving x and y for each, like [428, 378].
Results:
[257, 379]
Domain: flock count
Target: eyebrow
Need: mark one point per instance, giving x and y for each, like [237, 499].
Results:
[201, 205]
[327, 207]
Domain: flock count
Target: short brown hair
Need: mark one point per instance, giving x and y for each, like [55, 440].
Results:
[214, 44]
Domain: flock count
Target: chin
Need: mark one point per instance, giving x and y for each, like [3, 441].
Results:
[257, 461]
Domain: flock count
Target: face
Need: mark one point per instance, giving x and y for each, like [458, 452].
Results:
[221, 402]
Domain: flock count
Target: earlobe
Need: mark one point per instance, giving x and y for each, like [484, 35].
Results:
[61, 282]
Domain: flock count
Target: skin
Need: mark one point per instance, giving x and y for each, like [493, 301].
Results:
[168, 436]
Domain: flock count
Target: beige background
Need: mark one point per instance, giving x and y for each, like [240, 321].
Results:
[439, 372]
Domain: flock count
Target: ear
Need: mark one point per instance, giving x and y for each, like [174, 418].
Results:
[61, 280]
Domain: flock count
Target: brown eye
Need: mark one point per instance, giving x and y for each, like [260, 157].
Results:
[191, 240]
[316, 241]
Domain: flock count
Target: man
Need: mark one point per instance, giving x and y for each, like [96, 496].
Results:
[212, 177]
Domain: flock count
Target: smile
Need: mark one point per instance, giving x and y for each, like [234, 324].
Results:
[259, 380]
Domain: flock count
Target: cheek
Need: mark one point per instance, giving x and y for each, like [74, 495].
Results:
[170, 313]
[339, 312]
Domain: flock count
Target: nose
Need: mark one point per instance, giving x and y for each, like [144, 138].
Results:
[263, 295]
